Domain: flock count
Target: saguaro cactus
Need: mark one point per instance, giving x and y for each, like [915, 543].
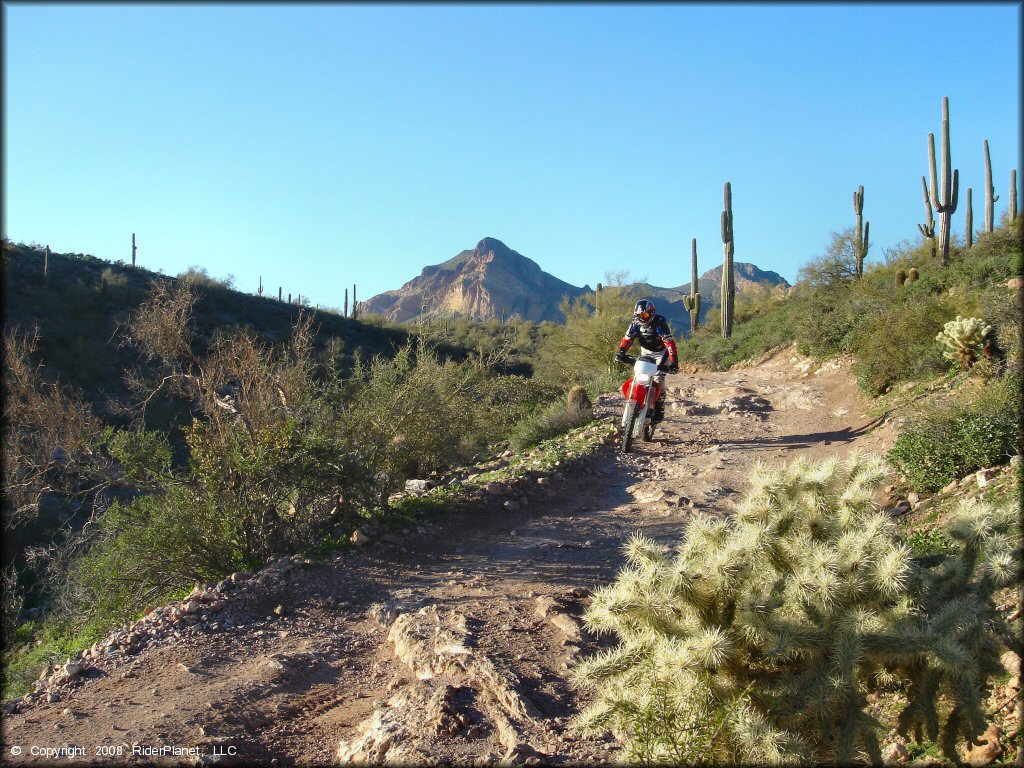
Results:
[860, 248]
[46, 263]
[345, 313]
[260, 289]
[728, 280]
[1013, 194]
[990, 193]
[928, 228]
[355, 303]
[969, 223]
[134, 250]
[945, 199]
[692, 302]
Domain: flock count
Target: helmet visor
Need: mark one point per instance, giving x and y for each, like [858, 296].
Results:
[644, 314]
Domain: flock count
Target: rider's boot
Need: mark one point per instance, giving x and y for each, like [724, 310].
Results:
[659, 410]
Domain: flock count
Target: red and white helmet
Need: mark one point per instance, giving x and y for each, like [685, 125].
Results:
[644, 310]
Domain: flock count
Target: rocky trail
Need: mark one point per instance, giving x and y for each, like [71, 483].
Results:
[451, 643]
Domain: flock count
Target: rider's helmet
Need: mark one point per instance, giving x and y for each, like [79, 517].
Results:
[644, 310]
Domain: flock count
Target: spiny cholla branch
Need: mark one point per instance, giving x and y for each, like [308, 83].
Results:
[765, 632]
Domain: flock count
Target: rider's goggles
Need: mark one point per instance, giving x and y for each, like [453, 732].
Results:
[644, 315]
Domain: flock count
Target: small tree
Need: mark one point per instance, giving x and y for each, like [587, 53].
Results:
[583, 347]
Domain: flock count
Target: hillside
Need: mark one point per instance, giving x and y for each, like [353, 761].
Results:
[78, 308]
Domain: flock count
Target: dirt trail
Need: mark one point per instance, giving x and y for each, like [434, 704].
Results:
[454, 646]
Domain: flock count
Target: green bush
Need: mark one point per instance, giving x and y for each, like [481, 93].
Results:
[899, 344]
[555, 419]
[758, 638]
[970, 433]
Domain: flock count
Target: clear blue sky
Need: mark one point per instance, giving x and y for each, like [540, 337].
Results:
[330, 144]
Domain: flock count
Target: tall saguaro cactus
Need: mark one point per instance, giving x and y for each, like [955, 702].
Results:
[692, 302]
[134, 250]
[945, 199]
[345, 313]
[1013, 195]
[46, 264]
[728, 280]
[928, 228]
[860, 247]
[990, 193]
[355, 303]
[260, 289]
[969, 223]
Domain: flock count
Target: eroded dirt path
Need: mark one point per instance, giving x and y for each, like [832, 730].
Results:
[453, 645]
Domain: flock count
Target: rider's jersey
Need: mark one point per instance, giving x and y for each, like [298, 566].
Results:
[654, 336]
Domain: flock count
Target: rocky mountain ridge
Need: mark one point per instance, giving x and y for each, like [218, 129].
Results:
[494, 281]
[490, 281]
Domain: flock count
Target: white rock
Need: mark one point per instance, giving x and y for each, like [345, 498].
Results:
[1011, 662]
[360, 537]
[896, 753]
[982, 476]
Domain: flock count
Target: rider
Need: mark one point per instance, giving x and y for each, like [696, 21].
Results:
[655, 339]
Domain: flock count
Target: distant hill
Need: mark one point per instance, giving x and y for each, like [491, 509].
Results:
[490, 281]
[494, 281]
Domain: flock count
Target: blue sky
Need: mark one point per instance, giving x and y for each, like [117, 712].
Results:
[323, 145]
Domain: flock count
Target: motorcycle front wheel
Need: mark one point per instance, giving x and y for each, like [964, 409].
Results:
[629, 425]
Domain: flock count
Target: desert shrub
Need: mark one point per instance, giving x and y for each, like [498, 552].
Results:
[975, 430]
[993, 259]
[757, 639]
[899, 344]
[555, 419]
[200, 276]
[503, 401]
[1002, 308]
[50, 436]
[409, 415]
[13, 600]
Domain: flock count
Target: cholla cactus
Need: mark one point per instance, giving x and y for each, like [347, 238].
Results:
[964, 339]
[757, 638]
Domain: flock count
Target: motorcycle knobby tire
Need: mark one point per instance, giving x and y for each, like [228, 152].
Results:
[629, 420]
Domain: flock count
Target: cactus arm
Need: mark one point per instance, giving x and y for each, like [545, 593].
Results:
[932, 174]
[969, 222]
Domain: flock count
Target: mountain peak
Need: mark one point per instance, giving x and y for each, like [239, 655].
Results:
[492, 280]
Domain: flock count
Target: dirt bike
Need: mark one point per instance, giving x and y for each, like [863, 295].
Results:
[641, 393]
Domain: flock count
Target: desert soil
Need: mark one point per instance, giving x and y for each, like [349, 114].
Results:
[454, 644]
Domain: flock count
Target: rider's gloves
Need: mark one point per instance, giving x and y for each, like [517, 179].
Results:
[620, 357]
[673, 367]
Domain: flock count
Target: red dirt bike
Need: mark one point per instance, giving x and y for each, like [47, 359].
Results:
[641, 393]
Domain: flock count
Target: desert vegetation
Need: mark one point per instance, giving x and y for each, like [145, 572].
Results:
[757, 638]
